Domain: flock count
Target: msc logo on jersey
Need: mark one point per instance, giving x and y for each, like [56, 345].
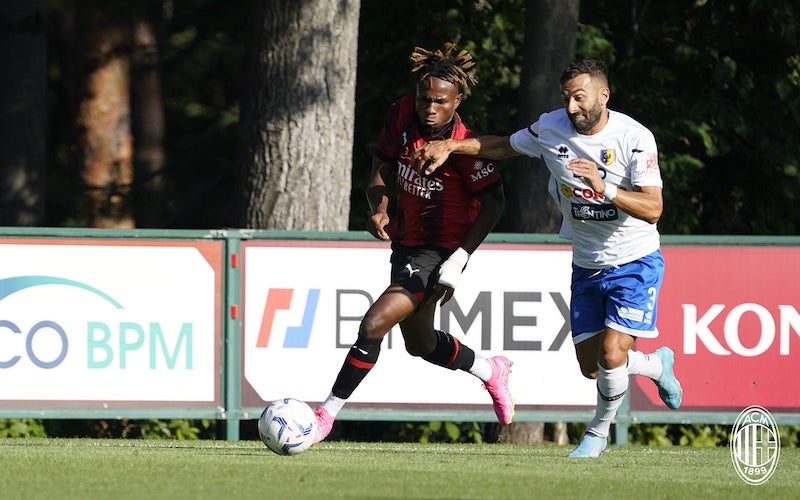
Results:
[481, 170]
[607, 156]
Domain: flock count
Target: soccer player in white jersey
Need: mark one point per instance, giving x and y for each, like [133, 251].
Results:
[606, 181]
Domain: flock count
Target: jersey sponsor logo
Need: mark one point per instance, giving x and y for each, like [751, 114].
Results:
[563, 151]
[601, 213]
[481, 170]
[607, 156]
[581, 192]
[410, 181]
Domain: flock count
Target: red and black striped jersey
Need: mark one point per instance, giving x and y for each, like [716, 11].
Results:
[439, 209]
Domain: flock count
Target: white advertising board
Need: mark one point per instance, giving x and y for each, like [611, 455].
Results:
[109, 322]
[303, 303]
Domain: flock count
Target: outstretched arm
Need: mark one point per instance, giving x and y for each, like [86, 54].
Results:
[492, 147]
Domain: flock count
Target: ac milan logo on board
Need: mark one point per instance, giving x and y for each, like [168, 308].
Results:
[755, 445]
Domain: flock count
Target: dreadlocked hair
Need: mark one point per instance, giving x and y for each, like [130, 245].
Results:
[456, 69]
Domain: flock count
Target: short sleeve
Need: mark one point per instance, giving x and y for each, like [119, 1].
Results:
[644, 161]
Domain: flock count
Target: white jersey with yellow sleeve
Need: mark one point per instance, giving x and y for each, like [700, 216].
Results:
[625, 152]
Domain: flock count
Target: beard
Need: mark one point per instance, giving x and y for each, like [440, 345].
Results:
[590, 119]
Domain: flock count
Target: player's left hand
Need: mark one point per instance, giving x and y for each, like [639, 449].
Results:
[449, 274]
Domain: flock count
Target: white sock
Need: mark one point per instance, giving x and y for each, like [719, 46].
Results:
[333, 405]
[647, 365]
[481, 368]
[611, 388]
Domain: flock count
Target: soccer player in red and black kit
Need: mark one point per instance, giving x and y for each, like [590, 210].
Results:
[438, 221]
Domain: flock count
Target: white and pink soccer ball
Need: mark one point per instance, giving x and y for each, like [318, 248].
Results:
[288, 426]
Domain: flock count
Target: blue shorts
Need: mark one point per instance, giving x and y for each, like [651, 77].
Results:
[624, 298]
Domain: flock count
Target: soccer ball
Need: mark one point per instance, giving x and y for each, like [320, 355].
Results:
[288, 426]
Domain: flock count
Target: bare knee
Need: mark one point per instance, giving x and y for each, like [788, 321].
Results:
[614, 359]
[615, 348]
[373, 326]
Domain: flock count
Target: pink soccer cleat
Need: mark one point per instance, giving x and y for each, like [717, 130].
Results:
[324, 424]
[497, 386]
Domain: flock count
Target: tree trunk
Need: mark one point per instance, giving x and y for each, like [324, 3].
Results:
[147, 118]
[522, 433]
[297, 115]
[104, 150]
[23, 97]
[550, 29]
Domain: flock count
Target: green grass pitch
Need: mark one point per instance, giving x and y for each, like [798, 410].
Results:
[142, 469]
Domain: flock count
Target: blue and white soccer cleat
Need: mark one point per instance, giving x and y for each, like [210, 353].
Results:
[589, 447]
[669, 389]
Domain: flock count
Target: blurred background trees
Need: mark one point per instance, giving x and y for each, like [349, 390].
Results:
[23, 103]
[145, 113]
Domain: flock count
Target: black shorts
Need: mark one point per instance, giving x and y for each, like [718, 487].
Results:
[416, 269]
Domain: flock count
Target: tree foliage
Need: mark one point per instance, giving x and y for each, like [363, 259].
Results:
[717, 82]
[719, 85]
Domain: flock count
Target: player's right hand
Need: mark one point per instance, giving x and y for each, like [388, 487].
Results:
[376, 224]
